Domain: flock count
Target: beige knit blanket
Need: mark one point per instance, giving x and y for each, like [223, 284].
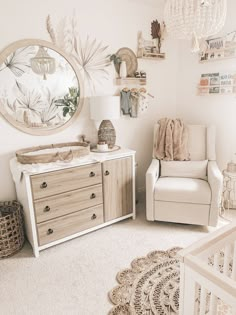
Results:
[172, 140]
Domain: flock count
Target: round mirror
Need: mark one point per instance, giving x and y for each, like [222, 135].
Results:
[40, 87]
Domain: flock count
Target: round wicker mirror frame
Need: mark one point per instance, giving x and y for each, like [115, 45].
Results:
[33, 42]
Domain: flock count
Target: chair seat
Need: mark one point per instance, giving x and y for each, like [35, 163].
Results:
[187, 190]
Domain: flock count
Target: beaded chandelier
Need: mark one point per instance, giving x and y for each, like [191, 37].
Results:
[194, 19]
[42, 63]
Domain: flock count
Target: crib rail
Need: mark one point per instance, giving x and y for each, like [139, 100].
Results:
[208, 275]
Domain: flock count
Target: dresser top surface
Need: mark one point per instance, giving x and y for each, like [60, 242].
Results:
[29, 169]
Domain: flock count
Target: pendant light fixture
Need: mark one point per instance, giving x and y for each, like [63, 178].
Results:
[194, 19]
[42, 63]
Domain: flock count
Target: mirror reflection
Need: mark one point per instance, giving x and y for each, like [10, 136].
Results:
[39, 88]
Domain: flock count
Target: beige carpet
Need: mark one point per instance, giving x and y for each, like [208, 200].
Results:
[75, 277]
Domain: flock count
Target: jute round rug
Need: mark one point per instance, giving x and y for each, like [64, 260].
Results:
[149, 287]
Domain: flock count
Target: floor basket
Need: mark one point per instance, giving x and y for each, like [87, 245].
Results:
[11, 228]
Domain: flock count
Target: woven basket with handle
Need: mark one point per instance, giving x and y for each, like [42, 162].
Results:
[11, 228]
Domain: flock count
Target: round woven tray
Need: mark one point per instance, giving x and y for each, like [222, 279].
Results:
[11, 228]
[53, 152]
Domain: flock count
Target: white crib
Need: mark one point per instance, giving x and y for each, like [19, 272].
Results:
[208, 275]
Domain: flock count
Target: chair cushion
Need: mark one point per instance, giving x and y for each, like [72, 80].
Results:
[189, 169]
[178, 189]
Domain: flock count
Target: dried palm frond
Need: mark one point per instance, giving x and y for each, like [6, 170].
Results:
[91, 56]
[50, 29]
[19, 61]
[155, 29]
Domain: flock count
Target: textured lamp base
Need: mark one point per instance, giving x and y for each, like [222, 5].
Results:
[107, 133]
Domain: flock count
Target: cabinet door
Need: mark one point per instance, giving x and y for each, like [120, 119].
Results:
[117, 188]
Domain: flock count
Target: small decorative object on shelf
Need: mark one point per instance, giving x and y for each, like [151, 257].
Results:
[123, 70]
[218, 48]
[156, 34]
[217, 83]
[117, 61]
[151, 49]
[11, 228]
[143, 74]
[127, 55]
[126, 65]
[137, 74]
[140, 74]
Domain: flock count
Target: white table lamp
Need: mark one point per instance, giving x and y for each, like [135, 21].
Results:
[105, 108]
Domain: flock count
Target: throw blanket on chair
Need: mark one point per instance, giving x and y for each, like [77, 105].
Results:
[172, 141]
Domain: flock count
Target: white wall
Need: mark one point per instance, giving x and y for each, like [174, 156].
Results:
[116, 23]
[212, 109]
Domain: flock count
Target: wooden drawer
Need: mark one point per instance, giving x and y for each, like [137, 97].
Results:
[69, 224]
[56, 182]
[72, 201]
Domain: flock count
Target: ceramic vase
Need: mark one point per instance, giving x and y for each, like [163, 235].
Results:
[123, 70]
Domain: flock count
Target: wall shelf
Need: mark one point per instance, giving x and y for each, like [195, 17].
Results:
[130, 81]
[217, 83]
[153, 56]
[216, 89]
[149, 49]
[209, 55]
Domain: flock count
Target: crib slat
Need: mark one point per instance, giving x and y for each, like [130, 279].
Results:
[227, 252]
[190, 291]
[203, 301]
[234, 263]
[213, 305]
[213, 300]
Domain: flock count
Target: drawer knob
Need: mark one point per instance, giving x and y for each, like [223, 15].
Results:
[93, 217]
[50, 231]
[93, 196]
[107, 173]
[46, 209]
[44, 185]
[92, 174]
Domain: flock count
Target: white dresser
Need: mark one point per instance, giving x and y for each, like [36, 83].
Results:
[64, 200]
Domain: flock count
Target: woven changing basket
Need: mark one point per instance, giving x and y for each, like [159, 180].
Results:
[11, 228]
[60, 151]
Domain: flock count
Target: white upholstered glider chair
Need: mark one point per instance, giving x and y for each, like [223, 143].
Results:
[189, 191]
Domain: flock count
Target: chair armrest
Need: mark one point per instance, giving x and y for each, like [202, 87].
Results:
[152, 175]
[215, 179]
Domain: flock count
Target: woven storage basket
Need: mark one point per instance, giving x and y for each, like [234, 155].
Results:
[11, 228]
[61, 151]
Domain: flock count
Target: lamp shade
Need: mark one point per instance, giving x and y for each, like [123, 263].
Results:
[105, 107]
